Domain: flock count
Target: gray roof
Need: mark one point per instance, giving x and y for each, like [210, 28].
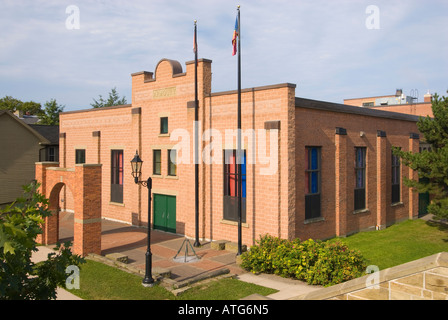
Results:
[49, 132]
[30, 119]
[343, 108]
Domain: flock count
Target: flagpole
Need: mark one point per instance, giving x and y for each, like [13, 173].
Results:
[239, 137]
[196, 165]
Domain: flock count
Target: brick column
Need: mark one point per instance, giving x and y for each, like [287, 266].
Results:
[96, 135]
[136, 141]
[414, 146]
[41, 177]
[62, 150]
[87, 229]
[341, 181]
[381, 177]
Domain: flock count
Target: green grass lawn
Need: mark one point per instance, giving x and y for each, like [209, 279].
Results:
[400, 243]
[102, 282]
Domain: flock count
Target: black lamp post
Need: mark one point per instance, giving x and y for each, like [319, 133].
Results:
[136, 165]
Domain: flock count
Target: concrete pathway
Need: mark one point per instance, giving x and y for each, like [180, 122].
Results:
[42, 255]
[288, 288]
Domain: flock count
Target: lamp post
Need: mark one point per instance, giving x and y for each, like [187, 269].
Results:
[136, 165]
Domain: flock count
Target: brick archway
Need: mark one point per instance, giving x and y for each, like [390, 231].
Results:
[84, 181]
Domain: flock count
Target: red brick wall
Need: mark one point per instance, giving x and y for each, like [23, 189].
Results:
[317, 128]
[85, 183]
[269, 197]
[275, 202]
[416, 109]
[114, 125]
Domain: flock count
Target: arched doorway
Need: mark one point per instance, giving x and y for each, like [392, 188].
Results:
[85, 184]
[61, 192]
[66, 215]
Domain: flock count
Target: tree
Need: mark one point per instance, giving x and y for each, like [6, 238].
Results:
[432, 165]
[113, 100]
[20, 278]
[50, 115]
[11, 104]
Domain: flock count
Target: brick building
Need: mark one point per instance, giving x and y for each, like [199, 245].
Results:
[312, 169]
[399, 102]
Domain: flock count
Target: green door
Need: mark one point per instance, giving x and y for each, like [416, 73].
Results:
[164, 212]
[423, 201]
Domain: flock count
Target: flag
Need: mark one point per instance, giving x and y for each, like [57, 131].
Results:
[235, 36]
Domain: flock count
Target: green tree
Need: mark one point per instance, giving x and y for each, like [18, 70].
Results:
[432, 165]
[20, 278]
[50, 115]
[113, 100]
[11, 104]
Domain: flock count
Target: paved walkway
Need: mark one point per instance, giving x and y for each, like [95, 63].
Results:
[131, 241]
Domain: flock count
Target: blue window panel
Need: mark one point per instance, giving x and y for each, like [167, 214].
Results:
[359, 179]
[360, 157]
[243, 172]
[314, 182]
[314, 159]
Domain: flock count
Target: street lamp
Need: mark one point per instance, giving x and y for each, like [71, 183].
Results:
[136, 165]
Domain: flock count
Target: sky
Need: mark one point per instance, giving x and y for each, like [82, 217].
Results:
[75, 50]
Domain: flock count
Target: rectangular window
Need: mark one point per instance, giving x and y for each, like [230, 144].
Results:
[157, 162]
[80, 156]
[172, 162]
[312, 182]
[116, 176]
[51, 154]
[231, 185]
[395, 179]
[163, 125]
[360, 176]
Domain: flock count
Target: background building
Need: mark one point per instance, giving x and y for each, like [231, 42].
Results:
[399, 102]
[22, 145]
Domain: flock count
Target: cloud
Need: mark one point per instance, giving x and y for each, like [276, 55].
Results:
[322, 46]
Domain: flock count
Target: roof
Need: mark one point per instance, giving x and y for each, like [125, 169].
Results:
[30, 119]
[39, 136]
[49, 132]
[374, 97]
[97, 109]
[343, 108]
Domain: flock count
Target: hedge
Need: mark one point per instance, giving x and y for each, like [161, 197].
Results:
[315, 262]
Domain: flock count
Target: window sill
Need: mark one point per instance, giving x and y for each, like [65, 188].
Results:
[361, 211]
[172, 177]
[159, 176]
[164, 135]
[234, 223]
[314, 220]
[397, 204]
[116, 204]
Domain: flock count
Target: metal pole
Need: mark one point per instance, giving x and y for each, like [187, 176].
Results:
[148, 281]
[196, 139]
[239, 136]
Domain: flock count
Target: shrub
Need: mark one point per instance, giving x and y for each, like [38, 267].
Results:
[315, 262]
